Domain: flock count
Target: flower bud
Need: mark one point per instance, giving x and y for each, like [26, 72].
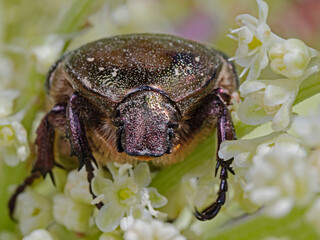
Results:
[289, 58]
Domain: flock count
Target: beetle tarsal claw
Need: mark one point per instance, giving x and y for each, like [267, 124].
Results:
[208, 213]
[217, 168]
[228, 167]
[52, 178]
[226, 164]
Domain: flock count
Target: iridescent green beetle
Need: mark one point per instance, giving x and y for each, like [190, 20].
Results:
[139, 97]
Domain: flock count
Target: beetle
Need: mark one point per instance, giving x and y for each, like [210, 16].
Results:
[137, 97]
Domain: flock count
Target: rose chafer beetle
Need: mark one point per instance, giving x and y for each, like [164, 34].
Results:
[139, 97]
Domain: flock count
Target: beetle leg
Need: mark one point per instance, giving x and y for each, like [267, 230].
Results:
[45, 153]
[77, 135]
[225, 131]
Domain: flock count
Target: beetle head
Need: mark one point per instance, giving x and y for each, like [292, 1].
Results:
[145, 121]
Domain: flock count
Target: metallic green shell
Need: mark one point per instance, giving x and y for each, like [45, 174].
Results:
[116, 66]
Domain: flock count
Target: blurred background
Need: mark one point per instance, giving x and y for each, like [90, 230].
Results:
[34, 33]
[25, 25]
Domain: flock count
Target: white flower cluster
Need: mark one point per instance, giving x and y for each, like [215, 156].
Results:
[123, 191]
[308, 129]
[290, 60]
[276, 172]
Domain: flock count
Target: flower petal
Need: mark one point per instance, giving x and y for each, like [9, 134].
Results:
[283, 118]
[263, 10]
[275, 95]
[101, 185]
[156, 199]
[6, 101]
[73, 215]
[142, 175]
[251, 86]
[109, 218]
[39, 234]
[251, 110]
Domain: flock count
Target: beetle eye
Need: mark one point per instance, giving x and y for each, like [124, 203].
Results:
[116, 118]
[116, 113]
[173, 125]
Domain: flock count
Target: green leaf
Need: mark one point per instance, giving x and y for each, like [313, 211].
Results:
[76, 18]
[308, 88]
[170, 176]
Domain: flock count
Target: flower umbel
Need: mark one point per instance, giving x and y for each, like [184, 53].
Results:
[272, 99]
[273, 171]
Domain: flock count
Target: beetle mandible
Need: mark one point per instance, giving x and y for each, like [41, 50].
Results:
[137, 97]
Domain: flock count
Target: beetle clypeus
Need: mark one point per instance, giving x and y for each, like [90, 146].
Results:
[139, 97]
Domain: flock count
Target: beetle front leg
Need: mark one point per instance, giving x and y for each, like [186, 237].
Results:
[225, 131]
[45, 152]
[76, 133]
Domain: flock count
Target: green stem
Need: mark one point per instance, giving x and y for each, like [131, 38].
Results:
[292, 226]
[76, 18]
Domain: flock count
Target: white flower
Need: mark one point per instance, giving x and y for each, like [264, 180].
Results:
[74, 215]
[77, 186]
[313, 213]
[289, 58]
[198, 185]
[7, 98]
[33, 211]
[254, 40]
[271, 100]
[152, 230]
[308, 128]
[13, 142]
[243, 151]
[13, 137]
[268, 100]
[48, 53]
[126, 196]
[39, 234]
[73, 209]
